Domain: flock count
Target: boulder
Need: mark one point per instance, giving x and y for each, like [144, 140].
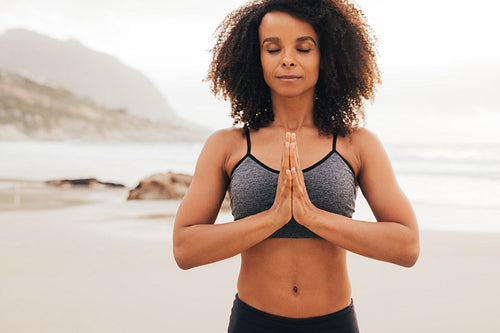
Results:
[161, 186]
[165, 186]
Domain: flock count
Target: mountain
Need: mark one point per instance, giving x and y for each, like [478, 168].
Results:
[85, 72]
[31, 110]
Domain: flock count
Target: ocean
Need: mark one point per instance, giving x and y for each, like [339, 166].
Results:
[449, 176]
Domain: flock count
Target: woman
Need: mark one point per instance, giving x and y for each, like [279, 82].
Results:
[297, 74]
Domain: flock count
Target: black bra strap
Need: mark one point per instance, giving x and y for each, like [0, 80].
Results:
[247, 134]
[334, 144]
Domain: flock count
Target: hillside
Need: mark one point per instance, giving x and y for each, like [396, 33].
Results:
[33, 110]
[87, 73]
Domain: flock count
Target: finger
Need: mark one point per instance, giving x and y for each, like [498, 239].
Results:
[294, 138]
[297, 185]
[298, 182]
[286, 156]
[284, 186]
[283, 152]
[284, 179]
[291, 139]
[294, 180]
[294, 160]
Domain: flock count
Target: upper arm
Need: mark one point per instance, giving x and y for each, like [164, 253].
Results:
[378, 182]
[202, 201]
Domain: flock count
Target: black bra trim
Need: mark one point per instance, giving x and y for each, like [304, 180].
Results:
[303, 170]
[262, 164]
[256, 160]
[249, 154]
[347, 162]
[238, 164]
[247, 134]
[319, 162]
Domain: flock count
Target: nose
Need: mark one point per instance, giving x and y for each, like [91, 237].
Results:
[288, 61]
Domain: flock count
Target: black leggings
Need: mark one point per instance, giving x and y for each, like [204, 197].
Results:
[247, 319]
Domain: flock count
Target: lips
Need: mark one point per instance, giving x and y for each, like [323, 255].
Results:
[289, 77]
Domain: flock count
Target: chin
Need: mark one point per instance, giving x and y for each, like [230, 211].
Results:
[291, 93]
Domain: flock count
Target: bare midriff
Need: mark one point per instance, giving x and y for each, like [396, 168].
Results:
[296, 278]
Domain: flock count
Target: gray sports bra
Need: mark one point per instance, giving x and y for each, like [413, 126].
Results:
[330, 183]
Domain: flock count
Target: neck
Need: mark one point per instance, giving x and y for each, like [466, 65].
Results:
[293, 113]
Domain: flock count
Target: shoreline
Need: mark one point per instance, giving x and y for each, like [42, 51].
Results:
[22, 194]
[28, 194]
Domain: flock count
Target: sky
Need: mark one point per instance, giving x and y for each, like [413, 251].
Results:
[169, 40]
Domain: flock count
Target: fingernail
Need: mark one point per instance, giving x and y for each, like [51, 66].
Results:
[293, 136]
[293, 170]
[287, 172]
[292, 145]
[287, 144]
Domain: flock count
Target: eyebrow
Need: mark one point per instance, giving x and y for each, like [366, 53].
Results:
[300, 39]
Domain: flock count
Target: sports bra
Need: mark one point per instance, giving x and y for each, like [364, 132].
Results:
[330, 183]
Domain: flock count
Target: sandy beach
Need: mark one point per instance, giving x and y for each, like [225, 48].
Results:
[86, 260]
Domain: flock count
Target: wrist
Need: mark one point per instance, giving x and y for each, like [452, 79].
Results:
[309, 216]
[278, 217]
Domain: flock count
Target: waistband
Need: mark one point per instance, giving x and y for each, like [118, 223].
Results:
[347, 312]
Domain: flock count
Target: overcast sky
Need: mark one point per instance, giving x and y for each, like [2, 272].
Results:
[169, 40]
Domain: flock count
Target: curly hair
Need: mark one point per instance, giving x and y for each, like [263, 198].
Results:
[347, 77]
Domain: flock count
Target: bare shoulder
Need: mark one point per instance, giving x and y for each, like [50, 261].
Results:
[362, 138]
[366, 144]
[222, 141]
[358, 146]
[374, 162]
[224, 136]
[226, 145]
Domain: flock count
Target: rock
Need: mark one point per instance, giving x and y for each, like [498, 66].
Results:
[161, 186]
[87, 182]
[165, 186]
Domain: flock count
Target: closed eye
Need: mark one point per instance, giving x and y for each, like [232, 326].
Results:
[304, 50]
[273, 51]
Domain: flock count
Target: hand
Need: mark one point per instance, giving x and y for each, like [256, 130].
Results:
[302, 207]
[282, 205]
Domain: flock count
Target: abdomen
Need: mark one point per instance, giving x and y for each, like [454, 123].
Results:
[295, 278]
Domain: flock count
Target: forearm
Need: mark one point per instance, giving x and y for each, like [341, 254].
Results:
[201, 244]
[387, 241]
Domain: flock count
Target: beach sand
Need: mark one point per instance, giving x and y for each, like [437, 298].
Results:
[86, 260]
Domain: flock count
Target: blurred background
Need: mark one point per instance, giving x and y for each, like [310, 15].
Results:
[434, 55]
[114, 90]
[134, 73]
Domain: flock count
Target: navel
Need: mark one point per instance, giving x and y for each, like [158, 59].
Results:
[295, 290]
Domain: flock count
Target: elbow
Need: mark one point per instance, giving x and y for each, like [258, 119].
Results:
[411, 256]
[181, 254]
[410, 250]
[183, 265]
[181, 259]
